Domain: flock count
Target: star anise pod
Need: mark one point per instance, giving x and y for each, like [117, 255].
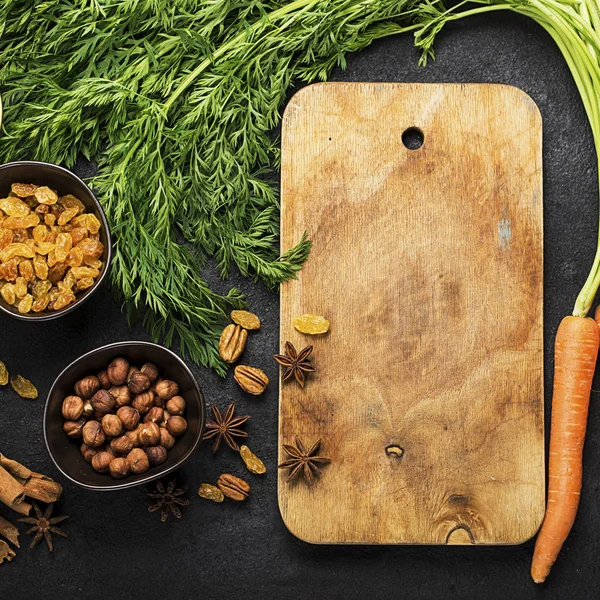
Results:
[303, 462]
[295, 363]
[225, 427]
[168, 500]
[44, 525]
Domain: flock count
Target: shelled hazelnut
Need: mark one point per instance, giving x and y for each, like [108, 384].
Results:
[117, 371]
[72, 408]
[125, 418]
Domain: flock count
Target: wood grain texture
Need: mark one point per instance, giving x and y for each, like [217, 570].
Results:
[428, 264]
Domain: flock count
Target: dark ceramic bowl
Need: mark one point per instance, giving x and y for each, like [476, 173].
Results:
[64, 182]
[64, 450]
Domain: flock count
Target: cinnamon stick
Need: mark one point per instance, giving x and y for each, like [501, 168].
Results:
[17, 470]
[43, 489]
[11, 491]
[35, 485]
[9, 531]
[6, 552]
[23, 508]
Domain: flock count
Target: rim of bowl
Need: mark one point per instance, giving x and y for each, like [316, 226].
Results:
[64, 311]
[115, 484]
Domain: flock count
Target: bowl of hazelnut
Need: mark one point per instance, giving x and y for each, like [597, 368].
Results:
[55, 246]
[123, 415]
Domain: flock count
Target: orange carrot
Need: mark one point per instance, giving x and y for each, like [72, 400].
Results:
[575, 353]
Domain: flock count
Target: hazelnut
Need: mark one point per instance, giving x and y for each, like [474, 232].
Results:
[155, 414]
[117, 371]
[166, 389]
[148, 434]
[166, 417]
[93, 435]
[166, 439]
[129, 417]
[87, 387]
[121, 445]
[98, 415]
[72, 408]
[132, 436]
[74, 429]
[151, 370]
[138, 461]
[156, 455]
[130, 372]
[119, 468]
[112, 426]
[176, 405]
[101, 461]
[143, 402]
[88, 409]
[176, 425]
[121, 394]
[103, 379]
[88, 452]
[103, 401]
[138, 382]
[109, 450]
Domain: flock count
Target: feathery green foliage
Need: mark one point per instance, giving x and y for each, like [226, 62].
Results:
[176, 101]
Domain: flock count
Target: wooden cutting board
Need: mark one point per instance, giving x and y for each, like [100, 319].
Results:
[428, 263]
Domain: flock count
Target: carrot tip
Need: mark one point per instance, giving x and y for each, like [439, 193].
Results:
[539, 579]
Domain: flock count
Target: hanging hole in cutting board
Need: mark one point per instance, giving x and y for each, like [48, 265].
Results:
[413, 138]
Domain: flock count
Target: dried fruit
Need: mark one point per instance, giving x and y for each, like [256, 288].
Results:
[3, 374]
[245, 319]
[16, 249]
[211, 492]
[23, 190]
[25, 304]
[67, 215]
[44, 195]
[232, 343]
[14, 207]
[26, 270]
[253, 463]
[20, 287]
[233, 487]
[24, 387]
[69, 201]
[311, 324]
[251, 379]
[30, 220]
[6, 237]
[8, 293]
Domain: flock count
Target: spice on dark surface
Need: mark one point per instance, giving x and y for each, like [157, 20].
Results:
[302, 462]
[295, 363]
[225, 427]
[24, 387]
[168, 500]
[44, 525]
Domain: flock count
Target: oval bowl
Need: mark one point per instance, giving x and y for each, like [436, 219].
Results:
[64, 450]
[65, 182]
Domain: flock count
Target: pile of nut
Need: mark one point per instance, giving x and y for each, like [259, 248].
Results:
[50, 248]
[129, 418]
[231, 345]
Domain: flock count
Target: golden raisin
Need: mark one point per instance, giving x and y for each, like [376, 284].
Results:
[81, 272]
[66, 216]
[8, 270]
[63, 299]
[253, 463]
[26, 270]
[94, 263]
[45, 247]
[311, 324]
[16, 249]
[57, 272]
[41, 303]
[40, 233]
[40, 288]
[24, 387]
[75, 257]
[245, 319]
[49, 220]
[6, 237]
[84, 283]
[91, 247]
[31, 220]
[20, 287]
[69, 201]
[25, 304]
[44, 195]
[23, 189]
[3, 374]
[8, 293]
[211, 492]
[78, 234]
[14, 207]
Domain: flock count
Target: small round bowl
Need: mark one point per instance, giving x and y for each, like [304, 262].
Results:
[65, 182]
[64, 450]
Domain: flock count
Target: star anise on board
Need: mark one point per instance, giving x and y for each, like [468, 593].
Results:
[295, 363]
[168, 500]
[225, 427]
[302, 462]
[44, 525]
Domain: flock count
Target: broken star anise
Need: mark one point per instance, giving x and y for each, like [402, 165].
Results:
[303, 462]
[225, 427]
[168, 500]
[295, 363]
[44, 525]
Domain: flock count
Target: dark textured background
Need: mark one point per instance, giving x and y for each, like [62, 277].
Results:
[117, 549]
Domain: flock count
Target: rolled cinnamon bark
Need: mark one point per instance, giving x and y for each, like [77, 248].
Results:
[11, 491]
[43, 489]
[9, 531]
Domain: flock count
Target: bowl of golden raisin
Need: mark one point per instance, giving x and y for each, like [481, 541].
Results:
[55, 244]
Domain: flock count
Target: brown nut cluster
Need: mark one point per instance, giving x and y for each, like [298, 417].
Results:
[50, 249]
[121, 416]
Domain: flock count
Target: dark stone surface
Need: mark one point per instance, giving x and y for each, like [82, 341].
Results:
[116, 549]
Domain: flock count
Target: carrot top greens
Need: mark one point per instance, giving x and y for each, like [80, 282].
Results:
[176, 101]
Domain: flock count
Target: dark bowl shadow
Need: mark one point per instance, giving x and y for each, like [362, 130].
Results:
[65, 452]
